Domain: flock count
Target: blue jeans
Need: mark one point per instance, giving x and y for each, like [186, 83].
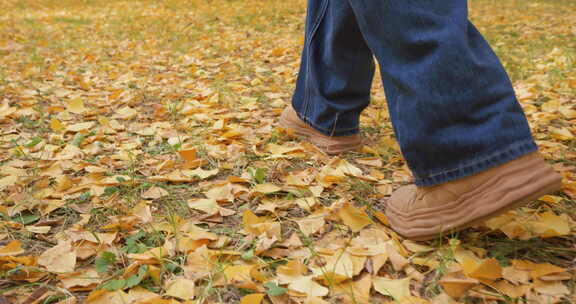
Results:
[451, 103]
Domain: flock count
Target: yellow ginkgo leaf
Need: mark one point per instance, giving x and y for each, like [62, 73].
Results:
[511, 290]
[188, 155]
[81, 126]
[536, 270]
[76, 106]
[208, 205]
[238, 273]
[549, 224]
[250, 222]
[356, 291]
[551, 288]
[102, 296]
[266, 188]
[56, 125]
[125, 113]
[307, 286]
[353, 217]
[154, 193]
[475, 267]
[255, 298]
[457, 285]
[291, 271]
[488, 269]
[561, 133]
[180, 288]
[339, 267]
[395, 288]
[311, 224]
[11, 249]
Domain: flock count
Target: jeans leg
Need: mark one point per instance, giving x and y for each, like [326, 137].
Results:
[336, 72]
[451, 102]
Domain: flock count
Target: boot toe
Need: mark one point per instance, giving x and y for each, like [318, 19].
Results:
[401, 198]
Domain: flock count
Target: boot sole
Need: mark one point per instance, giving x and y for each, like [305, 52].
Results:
[514, 185]
[550, 188]
[307, 135]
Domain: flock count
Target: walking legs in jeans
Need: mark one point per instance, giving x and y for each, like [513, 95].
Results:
[452, 106]
[451, 103]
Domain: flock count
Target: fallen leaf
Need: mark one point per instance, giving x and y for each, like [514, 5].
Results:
[180, 288]
[398, 289]
[251, 221]
[81, 126]
[12, 249]
[107, 297]
[56, 125]
[307, 286]
[536, 270]
[560, 133]
[188, 155]
[551, 288]
[155, 193]
[255, 298]
[311, 224]
[550, 225]
[59, 259]
[457, 286]
[357, 291]
[238, 273]
[353, 217]
[266, 188]
[81, 280]
[76, 106]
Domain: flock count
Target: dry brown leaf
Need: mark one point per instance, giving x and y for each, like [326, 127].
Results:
[266, 188]
[155, 193]
[85, 279]
[59, 259]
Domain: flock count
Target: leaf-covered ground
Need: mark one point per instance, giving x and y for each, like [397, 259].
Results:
[141, 162]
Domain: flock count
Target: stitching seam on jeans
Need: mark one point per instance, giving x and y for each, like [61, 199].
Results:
[335, 123]
[309, 121]
[315, 27]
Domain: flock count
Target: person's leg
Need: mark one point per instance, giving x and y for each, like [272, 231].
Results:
[451, 103]
[336, 72]
[455, 115]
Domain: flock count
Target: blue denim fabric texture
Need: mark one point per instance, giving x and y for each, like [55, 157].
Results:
[451, 103]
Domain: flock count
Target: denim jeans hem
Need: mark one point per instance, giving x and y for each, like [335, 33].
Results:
[331, 133]
[512, 152]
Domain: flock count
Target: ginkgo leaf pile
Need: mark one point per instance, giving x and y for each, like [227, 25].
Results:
[141, 162]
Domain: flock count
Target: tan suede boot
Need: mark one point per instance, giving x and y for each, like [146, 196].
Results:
[329, 144]
[424, 213]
